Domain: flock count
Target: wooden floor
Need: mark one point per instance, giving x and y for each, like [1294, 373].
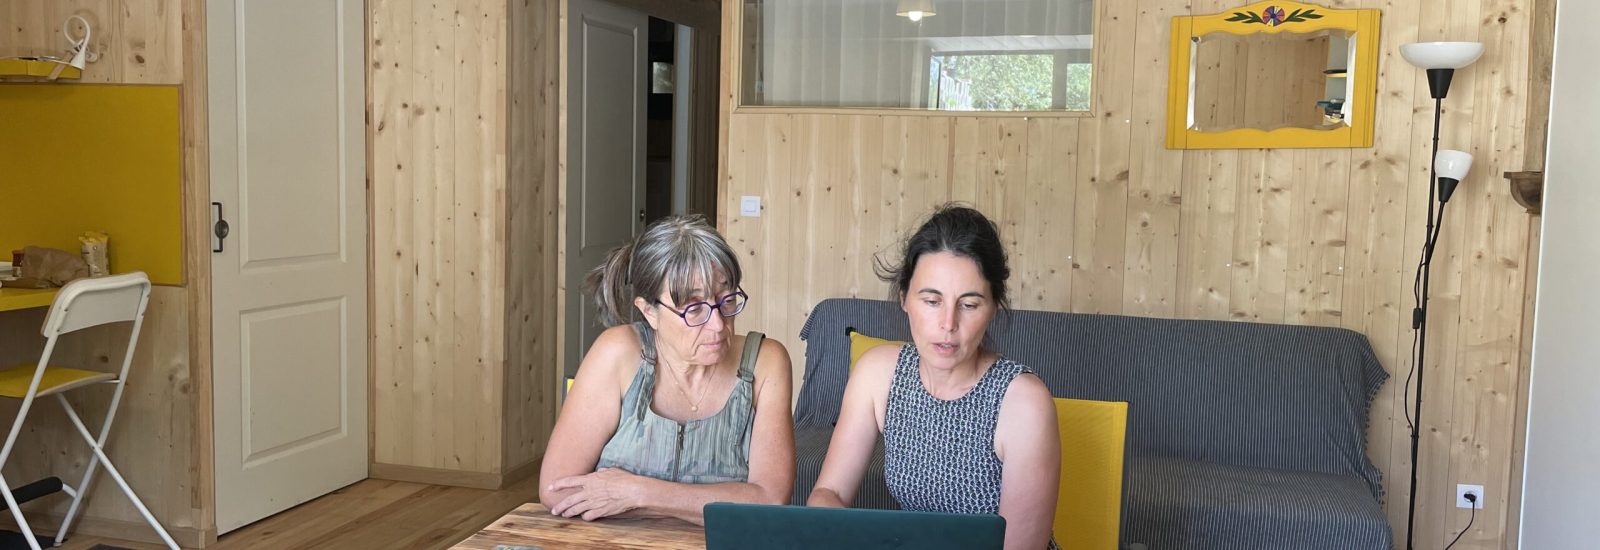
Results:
[370, 514]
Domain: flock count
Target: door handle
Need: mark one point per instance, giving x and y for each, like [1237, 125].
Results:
[219, 227]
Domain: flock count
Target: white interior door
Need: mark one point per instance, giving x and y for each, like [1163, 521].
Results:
[606, 87]
[287, 137]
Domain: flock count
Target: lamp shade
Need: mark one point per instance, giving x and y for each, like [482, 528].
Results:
[914, 10]
[1452, 164]
[1441, 55]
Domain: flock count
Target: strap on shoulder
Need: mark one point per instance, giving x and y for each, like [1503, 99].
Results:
[752, 349]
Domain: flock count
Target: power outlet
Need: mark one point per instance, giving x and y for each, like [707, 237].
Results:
[1461, 496]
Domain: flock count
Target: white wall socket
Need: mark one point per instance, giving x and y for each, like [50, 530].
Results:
[1461, 496]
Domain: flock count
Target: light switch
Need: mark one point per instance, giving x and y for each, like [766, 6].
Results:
[750, 206]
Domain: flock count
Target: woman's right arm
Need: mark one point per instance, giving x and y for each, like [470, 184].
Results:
[856, 432]
[590, 412]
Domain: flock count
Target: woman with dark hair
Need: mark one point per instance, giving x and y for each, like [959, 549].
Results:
[964, 429]
[673, 410]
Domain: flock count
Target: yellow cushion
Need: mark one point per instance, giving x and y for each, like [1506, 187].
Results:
[1089, 502]
[860, 343]
[14, 381]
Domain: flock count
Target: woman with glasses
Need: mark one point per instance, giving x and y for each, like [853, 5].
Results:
[674, 409]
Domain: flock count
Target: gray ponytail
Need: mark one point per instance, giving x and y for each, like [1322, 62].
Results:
[674, 254]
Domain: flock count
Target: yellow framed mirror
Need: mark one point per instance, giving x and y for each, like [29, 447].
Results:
[1273, 75]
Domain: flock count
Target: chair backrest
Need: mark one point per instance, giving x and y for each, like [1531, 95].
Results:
[86, 303]
[1094, 444]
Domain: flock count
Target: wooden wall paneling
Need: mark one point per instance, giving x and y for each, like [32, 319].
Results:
[968, 155]
[1209, 194]
[1042, 255]
[749, 171]
[1155, 193]
[1009, 191]
[1541, 63]
[472, 169]
[1495, 234]
[896, 174]
[435, 109]
[789, 167]
[549, 384]
[1318, 194]
[1376, 298]
[732, 53]
[830, 139]
[153, 38]
[1260, 256]
[481, 294]
[531, 386]
[1416, 184]
[439, 87]
[930, 164]
[987, 160]
[858, 199]
[190, 38]
[394, 262]
[1099, 244]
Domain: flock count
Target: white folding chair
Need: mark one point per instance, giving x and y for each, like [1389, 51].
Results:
[81, 304]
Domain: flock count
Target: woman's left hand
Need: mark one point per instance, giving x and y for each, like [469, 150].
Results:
[607, 492]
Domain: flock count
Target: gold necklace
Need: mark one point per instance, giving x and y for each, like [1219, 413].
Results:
[694, 405]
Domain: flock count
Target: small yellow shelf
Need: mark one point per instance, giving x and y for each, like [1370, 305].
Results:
[37, 69]
[26, 298]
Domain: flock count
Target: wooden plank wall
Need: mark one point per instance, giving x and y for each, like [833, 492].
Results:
[161, 439]
[438, 91]
[1101, 218]
[532, 376]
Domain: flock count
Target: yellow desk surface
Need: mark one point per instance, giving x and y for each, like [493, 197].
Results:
[24, 298]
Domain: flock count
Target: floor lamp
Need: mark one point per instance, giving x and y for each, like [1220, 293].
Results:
[1448, 168]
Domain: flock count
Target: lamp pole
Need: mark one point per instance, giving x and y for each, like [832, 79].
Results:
[1440, 59]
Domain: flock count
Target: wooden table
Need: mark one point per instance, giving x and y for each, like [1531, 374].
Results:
[532, 525]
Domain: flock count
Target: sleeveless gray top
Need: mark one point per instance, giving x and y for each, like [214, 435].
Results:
[709, 450]
[939, 455]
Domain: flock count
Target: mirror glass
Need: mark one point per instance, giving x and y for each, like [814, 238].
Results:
[1271, 81]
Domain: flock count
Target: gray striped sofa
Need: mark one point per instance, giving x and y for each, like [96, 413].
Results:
[1243, 435]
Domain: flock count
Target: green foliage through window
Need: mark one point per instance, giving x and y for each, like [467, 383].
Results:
[1007, 82]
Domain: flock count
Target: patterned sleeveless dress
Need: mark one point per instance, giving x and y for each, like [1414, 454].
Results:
[939, 455]
[715, 449]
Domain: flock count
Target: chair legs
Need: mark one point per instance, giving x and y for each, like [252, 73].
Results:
[16, 513]
[83, 485]
[111, 471]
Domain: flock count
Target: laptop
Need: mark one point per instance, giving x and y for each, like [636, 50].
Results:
[740, 526]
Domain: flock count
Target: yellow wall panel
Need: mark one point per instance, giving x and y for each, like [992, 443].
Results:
[76, 158]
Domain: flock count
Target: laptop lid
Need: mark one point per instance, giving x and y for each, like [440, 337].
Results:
[739, 526]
